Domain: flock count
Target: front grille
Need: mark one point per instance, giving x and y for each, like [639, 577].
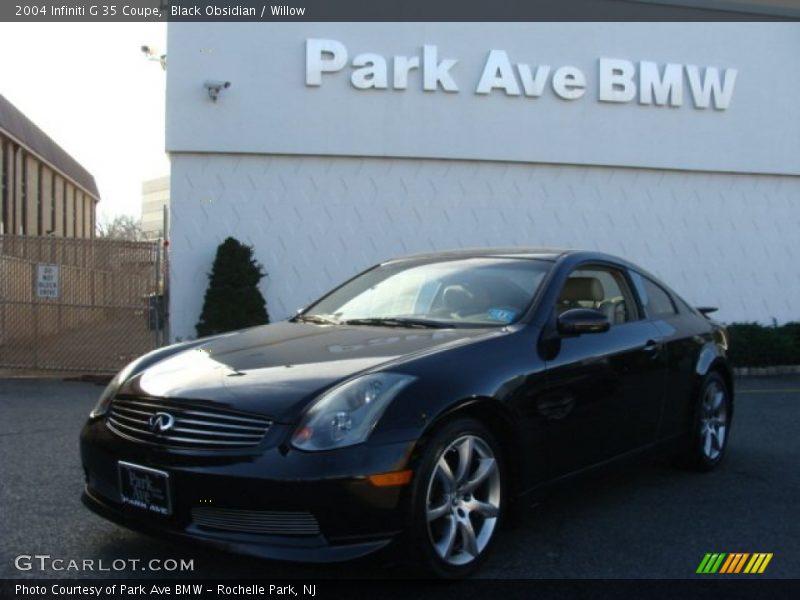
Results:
[255, 521]
[194, 426]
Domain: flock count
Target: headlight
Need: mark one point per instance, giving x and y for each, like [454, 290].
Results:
[108, 394]
[347, 414]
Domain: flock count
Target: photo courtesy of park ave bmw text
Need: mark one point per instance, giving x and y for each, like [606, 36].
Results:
[338, 145]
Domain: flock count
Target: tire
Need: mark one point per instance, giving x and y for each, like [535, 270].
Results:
[457, 502]
[711, 425]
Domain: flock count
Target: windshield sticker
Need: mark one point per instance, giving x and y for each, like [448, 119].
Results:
[501, 314]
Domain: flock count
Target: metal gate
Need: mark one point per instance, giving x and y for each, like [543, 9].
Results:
[78, 304]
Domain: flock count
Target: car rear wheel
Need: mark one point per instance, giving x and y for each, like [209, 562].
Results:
[711, 424]
[458, 499]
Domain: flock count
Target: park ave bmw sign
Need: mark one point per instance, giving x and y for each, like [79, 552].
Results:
[618, 80]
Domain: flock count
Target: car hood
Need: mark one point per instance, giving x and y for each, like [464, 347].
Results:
[277, 369]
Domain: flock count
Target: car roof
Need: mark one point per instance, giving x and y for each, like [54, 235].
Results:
[513, 252]
[548, 254]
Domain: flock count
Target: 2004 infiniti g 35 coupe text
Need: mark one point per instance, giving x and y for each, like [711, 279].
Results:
[412, 404]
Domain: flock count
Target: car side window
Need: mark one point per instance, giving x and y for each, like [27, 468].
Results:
[655, 300]
[683, 306]
[601, 288]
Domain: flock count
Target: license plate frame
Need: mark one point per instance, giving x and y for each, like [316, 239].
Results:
[145, 488]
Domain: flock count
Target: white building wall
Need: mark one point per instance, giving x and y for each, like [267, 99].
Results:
[325, 180]
[270, 107]
[719, 239]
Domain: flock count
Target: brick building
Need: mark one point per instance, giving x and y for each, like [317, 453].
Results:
[43, 190]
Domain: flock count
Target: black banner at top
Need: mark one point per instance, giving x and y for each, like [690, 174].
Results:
[395, 10]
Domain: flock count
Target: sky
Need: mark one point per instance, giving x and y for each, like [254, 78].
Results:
[91, 89]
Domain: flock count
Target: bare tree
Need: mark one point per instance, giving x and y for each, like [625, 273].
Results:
[121, 227]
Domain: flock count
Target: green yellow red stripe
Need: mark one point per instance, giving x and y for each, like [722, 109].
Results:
[764, 564]
[717, 564]
[734, 562]
[732, 558]
[703, 563]
[741, 562]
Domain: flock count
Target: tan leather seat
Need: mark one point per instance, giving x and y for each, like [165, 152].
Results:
[581, 292]
[614, 310]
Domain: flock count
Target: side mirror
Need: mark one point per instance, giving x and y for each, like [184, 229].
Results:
[582, 320]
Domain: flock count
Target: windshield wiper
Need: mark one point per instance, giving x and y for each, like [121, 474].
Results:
[318, 319]
[398, 322]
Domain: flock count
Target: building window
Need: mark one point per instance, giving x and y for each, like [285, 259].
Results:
[3, 186]
[75, 213]
[64, 208]
[53, 203]
[23, 224]
[39, 201]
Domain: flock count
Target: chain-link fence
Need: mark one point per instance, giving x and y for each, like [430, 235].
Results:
[78, 305]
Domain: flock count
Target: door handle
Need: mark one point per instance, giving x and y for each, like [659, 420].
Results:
[652, 348]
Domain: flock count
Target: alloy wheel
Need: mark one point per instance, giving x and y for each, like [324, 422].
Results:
[463, 500]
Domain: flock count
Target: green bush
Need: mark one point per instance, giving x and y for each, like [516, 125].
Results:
[754, 345]
[232, 300]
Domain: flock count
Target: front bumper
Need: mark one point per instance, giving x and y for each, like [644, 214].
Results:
[355, 518]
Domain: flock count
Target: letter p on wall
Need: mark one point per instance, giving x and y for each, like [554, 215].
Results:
[323, 56]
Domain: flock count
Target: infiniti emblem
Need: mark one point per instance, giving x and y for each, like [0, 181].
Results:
[161, 422]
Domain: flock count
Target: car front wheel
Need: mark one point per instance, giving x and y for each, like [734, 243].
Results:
[458, 499]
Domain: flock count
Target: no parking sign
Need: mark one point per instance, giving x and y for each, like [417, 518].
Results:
[47, 281]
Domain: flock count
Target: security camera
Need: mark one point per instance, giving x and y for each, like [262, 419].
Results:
[150, 51]
[153, 53]
[215, 87]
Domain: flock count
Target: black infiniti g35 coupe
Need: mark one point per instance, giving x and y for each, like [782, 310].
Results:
[409, 405]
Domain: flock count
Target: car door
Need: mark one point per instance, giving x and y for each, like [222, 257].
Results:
[603, 391]
[684, 334]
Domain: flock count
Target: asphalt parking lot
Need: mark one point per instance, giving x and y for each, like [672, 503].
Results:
[648, 521]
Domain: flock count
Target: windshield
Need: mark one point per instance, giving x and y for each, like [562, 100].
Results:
[473, 292]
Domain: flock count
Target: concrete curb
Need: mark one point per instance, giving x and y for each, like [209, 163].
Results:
[63, 375]
[761, 371]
